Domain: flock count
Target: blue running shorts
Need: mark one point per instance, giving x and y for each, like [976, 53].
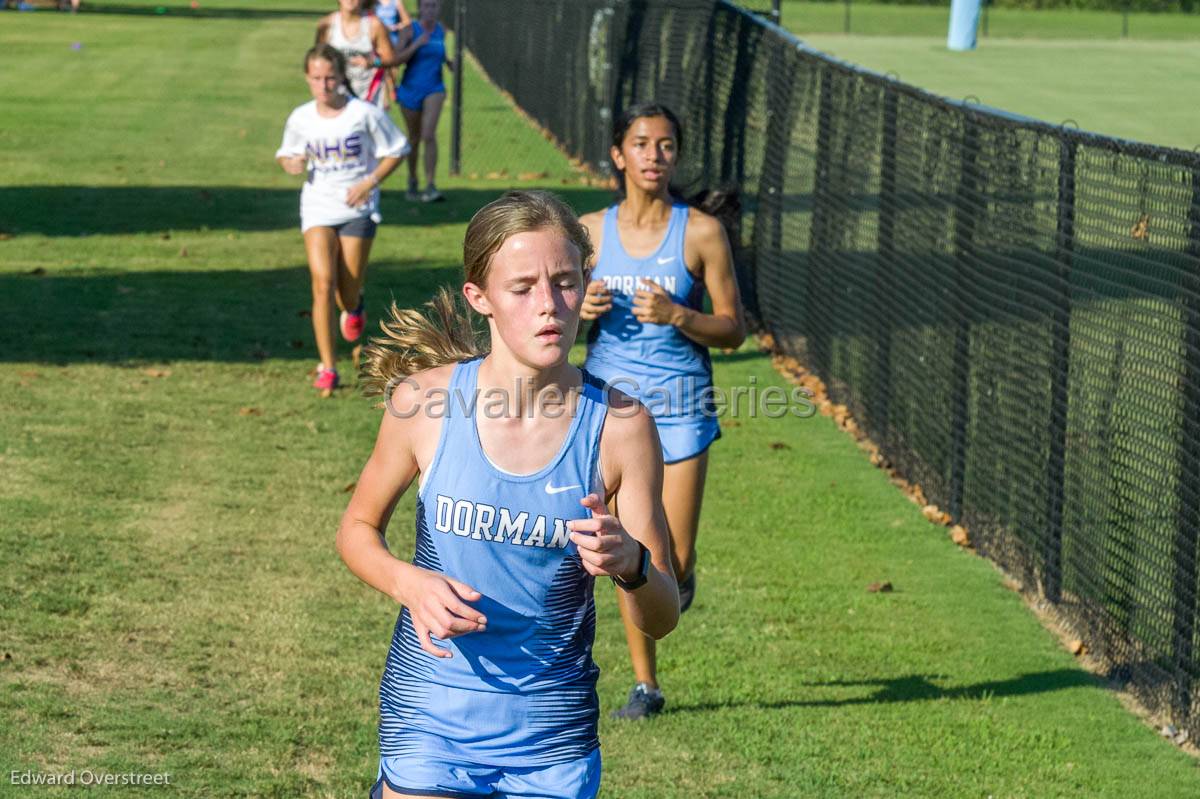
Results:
[416, 775]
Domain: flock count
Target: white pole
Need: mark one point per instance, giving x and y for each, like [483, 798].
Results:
[964, 22]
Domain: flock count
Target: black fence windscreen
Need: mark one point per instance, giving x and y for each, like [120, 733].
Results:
[1010, 309]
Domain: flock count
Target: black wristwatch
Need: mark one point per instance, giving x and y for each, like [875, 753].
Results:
[643, 571]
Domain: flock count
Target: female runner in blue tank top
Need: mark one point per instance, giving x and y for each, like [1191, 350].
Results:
[650, 336]
[422, 93]
[489, 686]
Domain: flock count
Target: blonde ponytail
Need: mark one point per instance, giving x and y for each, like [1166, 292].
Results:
[413, 341]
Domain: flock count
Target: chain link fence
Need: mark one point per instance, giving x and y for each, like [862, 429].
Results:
[1010, 309]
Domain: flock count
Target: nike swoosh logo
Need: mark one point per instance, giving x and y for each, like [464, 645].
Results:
[559, 489]
[666, 260]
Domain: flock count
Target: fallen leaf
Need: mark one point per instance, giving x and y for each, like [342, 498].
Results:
[349, 487]
[778, 445]
[8, 655]
[960, 536]
[1077, 647]
[29, 374]
[5, 235]
[242, 133]
[731, 423]
[884, 587]
[183, 252]
[165, 236]
[1013, 585]
[250, 411]
[155, 371]
[532, 175]
[1141, 228]
[37, 270]
[936, 515]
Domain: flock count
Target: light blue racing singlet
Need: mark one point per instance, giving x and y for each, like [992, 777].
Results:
[657, 364]
[389, 14]
[522, 693]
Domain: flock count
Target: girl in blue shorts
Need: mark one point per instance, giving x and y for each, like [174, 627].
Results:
[489, 686]
[422, 93]
[655, 258]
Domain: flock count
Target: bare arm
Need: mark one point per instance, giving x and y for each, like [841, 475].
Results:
[436, 603]
[322, 31]
[597, 301]
[410, 46]
[358, 194]
[608, 545]
[382, 44]
[292, 164]
[726, 325]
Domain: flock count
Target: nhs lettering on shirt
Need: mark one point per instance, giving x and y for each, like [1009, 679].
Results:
[328, 152]
[629, 284]
[482, 522]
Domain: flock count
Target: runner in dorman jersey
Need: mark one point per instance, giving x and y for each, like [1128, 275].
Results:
[346, 148]
[657, 256]
[489, 685]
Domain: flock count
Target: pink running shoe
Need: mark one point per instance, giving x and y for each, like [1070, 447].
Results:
[327, 379]
[352, 322]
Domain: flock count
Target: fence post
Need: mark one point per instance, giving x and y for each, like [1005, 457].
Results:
[1060, 370]
[767, 241]
[1188, 530]
[818, 231]
[964, 235]
[885, 265]
[460, 16]
[776, 15]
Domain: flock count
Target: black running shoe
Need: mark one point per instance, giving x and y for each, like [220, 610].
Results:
[687, 592]
[643, 703]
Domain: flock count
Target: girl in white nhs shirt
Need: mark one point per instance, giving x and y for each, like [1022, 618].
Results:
[348, 147]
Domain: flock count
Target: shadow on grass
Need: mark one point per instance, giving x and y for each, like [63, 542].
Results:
[920, 688]
[109, 210]
[218, 315]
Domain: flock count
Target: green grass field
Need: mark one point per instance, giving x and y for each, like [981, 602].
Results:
[1054, 65]
[872, 19]
[170, 600]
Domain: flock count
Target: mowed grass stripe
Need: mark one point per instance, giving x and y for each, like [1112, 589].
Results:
[171, 599]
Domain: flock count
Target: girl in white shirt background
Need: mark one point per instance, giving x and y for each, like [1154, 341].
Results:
[348, 147]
